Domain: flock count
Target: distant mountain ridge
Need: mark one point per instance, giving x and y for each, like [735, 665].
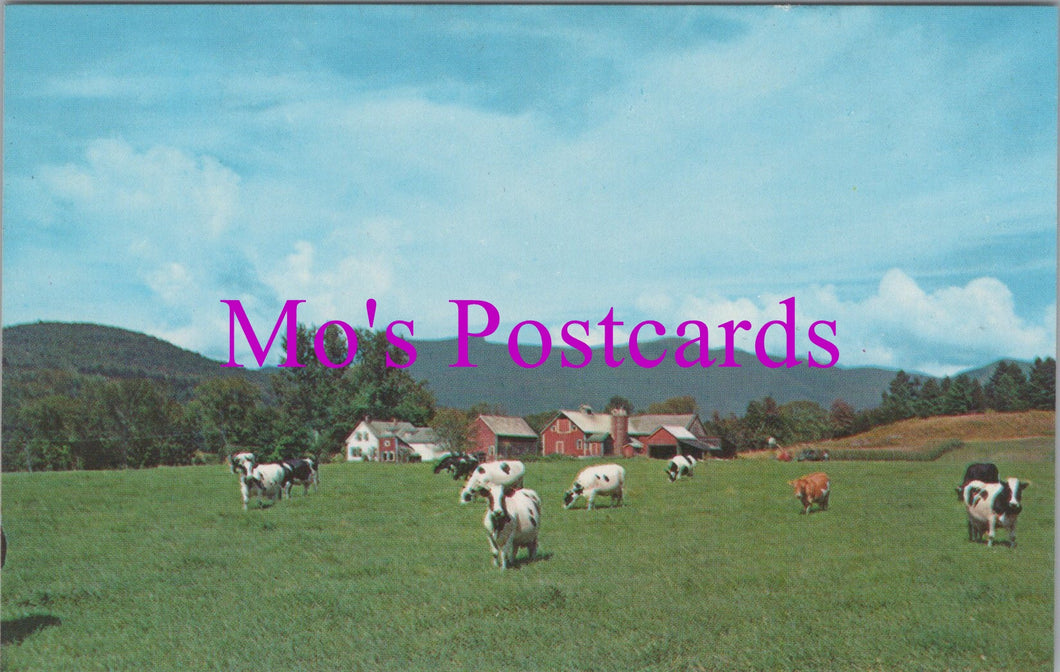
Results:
[113, 352]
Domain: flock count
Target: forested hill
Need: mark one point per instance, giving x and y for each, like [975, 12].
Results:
[95, 350]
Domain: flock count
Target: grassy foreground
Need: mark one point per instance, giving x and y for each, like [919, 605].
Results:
[382, 570]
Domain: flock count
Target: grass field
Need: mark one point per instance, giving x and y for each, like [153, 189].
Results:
[161, 569]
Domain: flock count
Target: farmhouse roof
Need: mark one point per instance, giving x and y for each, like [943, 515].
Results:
[504, 425]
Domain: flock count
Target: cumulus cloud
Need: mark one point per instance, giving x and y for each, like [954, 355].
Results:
[901, 324]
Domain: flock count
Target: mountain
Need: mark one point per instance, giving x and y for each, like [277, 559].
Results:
[498, 380]
[110, 352]
[91, 349]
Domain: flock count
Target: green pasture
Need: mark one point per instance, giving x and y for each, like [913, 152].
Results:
[161, 569]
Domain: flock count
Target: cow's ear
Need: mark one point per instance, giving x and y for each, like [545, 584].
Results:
[1024, 485]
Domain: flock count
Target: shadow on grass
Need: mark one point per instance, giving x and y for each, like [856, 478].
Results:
[15, 630]
[521, 560]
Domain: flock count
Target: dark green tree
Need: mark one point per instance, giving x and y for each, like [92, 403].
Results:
[674, 406]
[1041, 384]
[1007, 388]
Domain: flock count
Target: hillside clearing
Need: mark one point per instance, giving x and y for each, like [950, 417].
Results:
[920, 433]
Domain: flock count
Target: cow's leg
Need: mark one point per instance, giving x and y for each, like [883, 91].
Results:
[591, 498]
[824, 501]
[991, 531]
[531, 548]
[495, 551]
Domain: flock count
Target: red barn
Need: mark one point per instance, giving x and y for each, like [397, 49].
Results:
[584, 433]
[501, 436]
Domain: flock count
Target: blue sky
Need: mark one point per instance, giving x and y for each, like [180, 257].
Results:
[893, 168]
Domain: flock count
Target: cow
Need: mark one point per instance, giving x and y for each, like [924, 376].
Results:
[457, 464]
[508, 473]
[979, 471]
[512, 521]
[680, 465]
[812, 488]
[604, 479]
[264, 481]
[991, 505]
[300, 471]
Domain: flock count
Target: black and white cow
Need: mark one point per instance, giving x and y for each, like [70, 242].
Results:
[507, 473]
[300, 471]
[459, 465]
[978, 471]
[604, 479]
[512, 521]
[993, 505]
[680, 465]
[257, 480]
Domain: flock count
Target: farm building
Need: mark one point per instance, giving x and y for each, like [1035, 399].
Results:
[392, 441]
[500, 436]
[584, 433]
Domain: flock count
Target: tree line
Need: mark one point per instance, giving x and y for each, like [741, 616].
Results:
[907, 396]
[58, 420]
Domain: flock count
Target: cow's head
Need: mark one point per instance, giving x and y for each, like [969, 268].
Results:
[572, 495]
[242, 464]
[495, 495]
[1009, 499]
[799, 484]
[475, 482]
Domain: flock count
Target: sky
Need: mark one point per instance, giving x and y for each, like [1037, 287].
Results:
[893, 168]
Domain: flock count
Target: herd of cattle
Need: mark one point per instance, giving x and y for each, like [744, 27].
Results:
[513, 512]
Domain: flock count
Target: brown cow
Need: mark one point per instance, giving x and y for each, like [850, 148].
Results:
[812, 488]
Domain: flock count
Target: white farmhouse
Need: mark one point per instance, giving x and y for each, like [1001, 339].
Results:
[392, 441]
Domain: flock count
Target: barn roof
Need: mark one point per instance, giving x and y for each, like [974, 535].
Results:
[647, 424]
[639, 425]
[505, 425]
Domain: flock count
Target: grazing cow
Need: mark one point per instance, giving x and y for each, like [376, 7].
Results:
[512, 521]
[302, 472]
[508, 473]
[979, 471]
[605, 479]
[457, 464]
[680, 465]
[812, 488]
[991, 505]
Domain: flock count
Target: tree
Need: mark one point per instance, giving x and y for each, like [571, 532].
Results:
[899, 401]
[957, 399]
[674, 406]
[929, 400]
[225, 411]
[841, 418]
[804, 421]
[1041, 384]
[1007, 388]
[619, 402]
[319, 405]
[762, 420]
[453, 428]
[134, 423]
